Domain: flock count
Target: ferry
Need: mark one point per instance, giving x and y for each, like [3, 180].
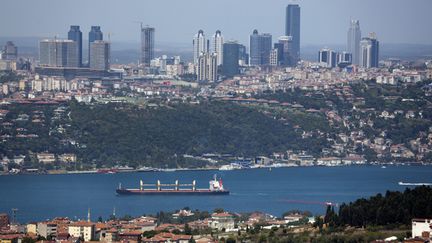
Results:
[215, 188]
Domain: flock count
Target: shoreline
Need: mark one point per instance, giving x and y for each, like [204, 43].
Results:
[148, 170]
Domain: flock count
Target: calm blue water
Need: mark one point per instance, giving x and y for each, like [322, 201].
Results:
[39, 197]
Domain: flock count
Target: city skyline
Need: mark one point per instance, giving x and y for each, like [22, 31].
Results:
[318, 26]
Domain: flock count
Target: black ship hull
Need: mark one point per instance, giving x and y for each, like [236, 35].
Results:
[171, 192]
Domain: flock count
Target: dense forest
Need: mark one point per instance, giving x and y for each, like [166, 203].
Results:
[394, 208]
[119, 132]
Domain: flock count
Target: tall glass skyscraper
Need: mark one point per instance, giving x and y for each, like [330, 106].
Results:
[218, 42]
[147, 45]
[292, 28]
[230, 65]
[260, 47]
[75, 34]
[353, 43]
[94, 34]
[369, 51]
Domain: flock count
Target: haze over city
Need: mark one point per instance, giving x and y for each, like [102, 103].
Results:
[322, 22]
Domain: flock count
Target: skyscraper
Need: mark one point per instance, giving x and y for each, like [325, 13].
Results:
[369, 51]
[287, 52]
[147, 45]
[218, 42]
[327, 58]
[230, 65]
[260, 46]
[58, 53]
[207, 67]
[292, 28]
[10, 51]
[75, 34]
[200, 45]
[99, 55]
[94, 34]
[243, 56]
[353, 42]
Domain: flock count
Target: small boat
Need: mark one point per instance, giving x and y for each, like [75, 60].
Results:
[383, 167]
[414, 184]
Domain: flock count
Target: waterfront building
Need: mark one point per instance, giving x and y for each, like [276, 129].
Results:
[10, 51]
[218, 45]
[353, 41]
[207, 67]
[200, 45]
[260, 47]
[147, 45]
[369, 51]
[100, 55]
[75, 34]
[292, 28]
[94, 35]
[327, 58]
[58, 53]
[230, 65]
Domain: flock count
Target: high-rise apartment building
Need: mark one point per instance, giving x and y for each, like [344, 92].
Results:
[260, 46]
[369, 51]
[75, 34]
[292, 28]
[344, 59]
[207, 67]
[94, 35]
[10, 51]
[230, 65]
[217, 45]
[147, 45]
[100, 55]
[58, 53]
[353, 42]
[200, 45]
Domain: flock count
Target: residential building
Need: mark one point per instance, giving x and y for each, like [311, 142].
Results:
[100, 55]
[207, 67]
[94, 35]
[292, 28]
[147, 45]
[260, 46]
[421, 228]
[218, 45]
[4, 220]
[75, 34]
[353, 41]
[10, 51]
[230, 62]
[46, 229]
[369, 51]
[83, 229]
[58, 53]
[222, 221]
[200, 45]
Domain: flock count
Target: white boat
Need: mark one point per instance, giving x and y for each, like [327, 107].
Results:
[414, 184]
[230, 167]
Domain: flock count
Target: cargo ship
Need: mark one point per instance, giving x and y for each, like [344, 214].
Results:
[215, 188]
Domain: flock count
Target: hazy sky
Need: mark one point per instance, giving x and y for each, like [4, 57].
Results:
[322, 21]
